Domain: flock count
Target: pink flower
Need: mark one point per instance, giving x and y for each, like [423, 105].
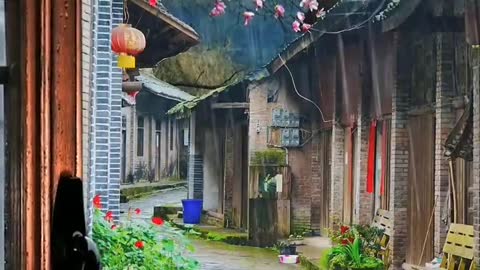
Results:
[309, 4]
[300, 16]
[321, 13]
[153, 3]
[138, 211]
[248, 15]
[218, 9]
[279, 11]
[306, 27]
[258, 4]
[296, 26]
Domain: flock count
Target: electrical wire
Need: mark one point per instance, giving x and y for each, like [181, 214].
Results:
[359, 25]
[300, 95]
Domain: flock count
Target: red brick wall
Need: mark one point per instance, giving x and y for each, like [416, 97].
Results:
[399, 159]
[260, 117]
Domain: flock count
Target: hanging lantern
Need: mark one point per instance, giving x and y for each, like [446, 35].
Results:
[127, 42]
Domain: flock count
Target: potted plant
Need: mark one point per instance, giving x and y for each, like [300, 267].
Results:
[296, 239]
[286, 248]
[351, 256]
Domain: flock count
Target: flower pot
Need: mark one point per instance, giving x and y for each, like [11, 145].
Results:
[289, 259]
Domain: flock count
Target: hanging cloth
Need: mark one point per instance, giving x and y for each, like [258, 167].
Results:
[371, 157]
[384, 158]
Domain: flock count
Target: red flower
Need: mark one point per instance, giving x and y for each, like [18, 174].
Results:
[97, 202]
[345, 242]
[138, 211]
[344, 229]
[139, 245]
[157, 221]
[114, 227]
[109, 216]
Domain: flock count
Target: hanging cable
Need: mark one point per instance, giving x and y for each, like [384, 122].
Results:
[300, 95]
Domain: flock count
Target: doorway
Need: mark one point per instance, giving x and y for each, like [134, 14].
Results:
[420, 188]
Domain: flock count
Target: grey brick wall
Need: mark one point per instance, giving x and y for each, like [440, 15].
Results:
[399, 158]
[445, 119]
[476, 150]
[106, 116]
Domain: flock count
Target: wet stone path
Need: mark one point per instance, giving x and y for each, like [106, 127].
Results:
[211, 255]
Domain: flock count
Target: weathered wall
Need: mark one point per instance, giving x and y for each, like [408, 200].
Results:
[299, 159]
[169, 151]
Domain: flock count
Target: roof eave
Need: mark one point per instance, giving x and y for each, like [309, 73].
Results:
[191, 35]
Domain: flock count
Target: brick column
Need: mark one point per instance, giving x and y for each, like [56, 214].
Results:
[476, 150]
[363, 200]
[115, 151]
[228, 175]
[445, 117]
[399, 159]
[337, 174]
[316, 183]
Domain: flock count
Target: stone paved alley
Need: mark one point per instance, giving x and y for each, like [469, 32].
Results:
[212, 255]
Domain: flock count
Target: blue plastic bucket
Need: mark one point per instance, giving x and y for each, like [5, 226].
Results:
[192, 211]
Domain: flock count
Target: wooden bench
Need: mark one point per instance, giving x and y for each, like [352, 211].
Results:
[383, 220]
[458, 248]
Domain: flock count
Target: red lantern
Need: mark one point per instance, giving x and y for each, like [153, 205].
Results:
[127, 42]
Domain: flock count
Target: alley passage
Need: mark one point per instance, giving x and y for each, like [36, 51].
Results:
[211, 255]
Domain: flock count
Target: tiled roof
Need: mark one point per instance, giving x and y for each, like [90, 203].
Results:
[161, 88]
[165, 12]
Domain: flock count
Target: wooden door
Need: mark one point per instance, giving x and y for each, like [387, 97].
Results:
[44, 138]
[321, 190]
[420, 189]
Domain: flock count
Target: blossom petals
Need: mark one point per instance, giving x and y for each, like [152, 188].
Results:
[296, 26]
[279, 11]
[248, 16]
[218, 9]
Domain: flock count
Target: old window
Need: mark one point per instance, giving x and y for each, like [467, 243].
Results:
[140, 135]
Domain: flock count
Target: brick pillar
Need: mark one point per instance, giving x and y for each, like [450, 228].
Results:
[363, 200]
[115, 124]
[337, 174]
[445, 117]
[399, 159]
[317, 183]
[228, 176]
[476, 151]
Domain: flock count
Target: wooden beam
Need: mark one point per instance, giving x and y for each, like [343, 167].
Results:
[231, 105]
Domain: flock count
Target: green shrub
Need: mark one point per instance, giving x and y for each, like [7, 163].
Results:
[351, 254]
[139, 245]
[269, 157]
